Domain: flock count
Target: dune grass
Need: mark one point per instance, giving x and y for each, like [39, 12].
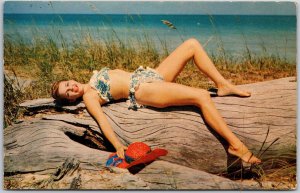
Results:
[46, 60]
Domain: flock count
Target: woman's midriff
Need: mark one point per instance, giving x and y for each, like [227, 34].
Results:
[119, 83]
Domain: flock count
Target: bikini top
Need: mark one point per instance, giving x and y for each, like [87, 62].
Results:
[101, 83]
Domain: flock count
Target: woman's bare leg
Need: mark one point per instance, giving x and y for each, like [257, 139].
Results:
[163, 94]
[192, 49]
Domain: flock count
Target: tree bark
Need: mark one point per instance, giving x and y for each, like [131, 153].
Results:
[265, 122]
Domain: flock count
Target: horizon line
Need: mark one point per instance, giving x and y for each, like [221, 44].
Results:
[149, 14]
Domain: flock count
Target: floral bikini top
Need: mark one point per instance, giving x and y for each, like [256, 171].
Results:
[101, 83]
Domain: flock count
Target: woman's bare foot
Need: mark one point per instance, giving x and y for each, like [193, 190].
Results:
[243, 153]
[229, 89]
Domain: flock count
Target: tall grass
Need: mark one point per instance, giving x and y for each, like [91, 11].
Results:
[12, 97]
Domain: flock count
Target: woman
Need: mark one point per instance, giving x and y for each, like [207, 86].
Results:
[156, 88]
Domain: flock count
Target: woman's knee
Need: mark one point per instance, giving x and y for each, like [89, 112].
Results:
[193, 43]
[203, 97]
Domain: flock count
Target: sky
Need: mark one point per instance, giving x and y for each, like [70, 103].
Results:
[153, 7]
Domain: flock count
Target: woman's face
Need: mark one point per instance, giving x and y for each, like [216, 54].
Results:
[70, 90]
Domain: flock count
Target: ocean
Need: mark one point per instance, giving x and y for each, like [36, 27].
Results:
[261, 34]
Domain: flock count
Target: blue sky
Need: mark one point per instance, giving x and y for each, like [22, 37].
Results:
[154, 7]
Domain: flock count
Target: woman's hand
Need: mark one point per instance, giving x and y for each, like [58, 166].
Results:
[121, 151]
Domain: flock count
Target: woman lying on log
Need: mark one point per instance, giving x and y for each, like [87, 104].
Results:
[155, 87]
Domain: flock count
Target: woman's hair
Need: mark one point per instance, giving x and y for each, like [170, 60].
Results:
[54, 92]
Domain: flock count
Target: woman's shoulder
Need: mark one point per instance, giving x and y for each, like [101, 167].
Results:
[92, 95]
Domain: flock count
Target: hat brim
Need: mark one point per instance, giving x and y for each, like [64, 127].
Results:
[150, 157]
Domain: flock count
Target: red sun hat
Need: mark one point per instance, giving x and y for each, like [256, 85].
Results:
[136, 153]
[137, 150]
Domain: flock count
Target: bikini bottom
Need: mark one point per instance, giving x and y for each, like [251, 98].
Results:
[139, 76]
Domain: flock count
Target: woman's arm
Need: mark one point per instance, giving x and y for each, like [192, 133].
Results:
[94, 108]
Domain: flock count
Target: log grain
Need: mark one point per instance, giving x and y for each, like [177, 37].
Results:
[266, 122]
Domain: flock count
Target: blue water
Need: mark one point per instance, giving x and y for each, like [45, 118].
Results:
[271, 35]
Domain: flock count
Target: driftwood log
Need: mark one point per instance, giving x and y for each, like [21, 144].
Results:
[50, 136]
